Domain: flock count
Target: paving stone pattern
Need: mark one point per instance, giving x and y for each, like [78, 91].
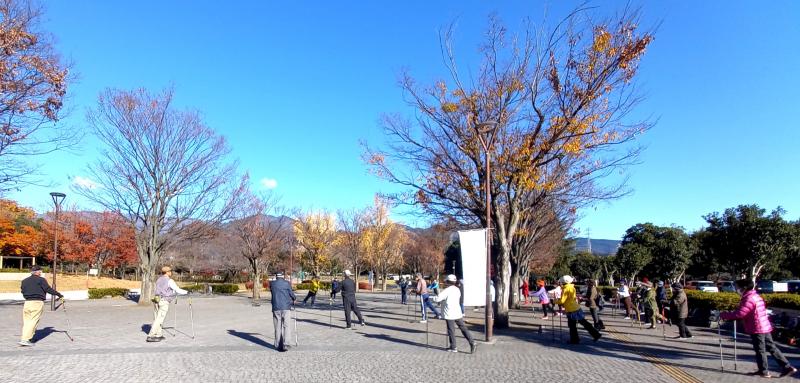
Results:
[233, 343]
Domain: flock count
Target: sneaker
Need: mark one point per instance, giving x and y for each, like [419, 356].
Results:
[598, 337]
[473, 347]
[628, 318]
[25, 343]
[363, 323]
[545, 317]
[452, 350]
[348, 328]
[651, 327]
[788, 371]
[161, 337]
[151, 339]
[423, 321]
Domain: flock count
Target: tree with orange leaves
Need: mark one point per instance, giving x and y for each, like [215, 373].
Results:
[33, 84]
[19, 230]
[559, 100]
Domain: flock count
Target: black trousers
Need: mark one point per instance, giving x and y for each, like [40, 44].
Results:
[595, 316]
[350, 304]
[548, 306]
[311, 295]
[451, 331]
[573, 330]
[683, 331]
[762, 344]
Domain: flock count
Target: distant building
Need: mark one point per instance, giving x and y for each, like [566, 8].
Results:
[601, 247]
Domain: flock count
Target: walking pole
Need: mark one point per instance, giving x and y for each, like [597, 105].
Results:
[734, 347]
[175, 315]
[295, 326]
[330, 313]
[560, 329]
[553, 326]
[191, 315]
[719, 335]
[663, 324]
[69, 325]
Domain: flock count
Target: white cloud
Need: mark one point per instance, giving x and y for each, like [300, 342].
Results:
[84, 183]
[269, 183]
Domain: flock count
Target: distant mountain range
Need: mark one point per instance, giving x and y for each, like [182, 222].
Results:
[599, 246]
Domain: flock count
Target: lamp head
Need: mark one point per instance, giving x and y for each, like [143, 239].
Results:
[57, 197]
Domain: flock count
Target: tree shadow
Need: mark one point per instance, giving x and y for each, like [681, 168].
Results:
[250, 337]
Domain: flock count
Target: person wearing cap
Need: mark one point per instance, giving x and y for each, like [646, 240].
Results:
[34, 289]
[282, 300]
[349, 300]
[166, 292]
[679, 308]
[591, 298]
[624, 294]
[661, 296]
[422, 290]
[403, 283]
[574, 313]
[453, 315]
[312, 291]
[650, 304]
[544, 299]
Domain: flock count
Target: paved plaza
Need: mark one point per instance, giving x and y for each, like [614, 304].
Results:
[234, 343]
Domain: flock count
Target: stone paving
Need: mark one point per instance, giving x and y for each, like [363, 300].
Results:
[233, 343]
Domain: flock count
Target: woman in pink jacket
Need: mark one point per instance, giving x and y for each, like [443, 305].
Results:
[753, 313]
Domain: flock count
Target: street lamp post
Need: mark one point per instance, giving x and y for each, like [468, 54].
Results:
[486, 134]
[57, 198]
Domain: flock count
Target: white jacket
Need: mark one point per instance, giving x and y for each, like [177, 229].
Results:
[451, 297]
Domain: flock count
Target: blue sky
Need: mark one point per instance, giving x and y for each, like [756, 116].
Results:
[294, 87]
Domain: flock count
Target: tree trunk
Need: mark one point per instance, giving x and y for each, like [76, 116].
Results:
[148, 285]
[514, 290]
[383, 283]
[355, 277]
[503, 267]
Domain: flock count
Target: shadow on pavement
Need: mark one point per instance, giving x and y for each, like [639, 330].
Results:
[249, 336]
[43, 333]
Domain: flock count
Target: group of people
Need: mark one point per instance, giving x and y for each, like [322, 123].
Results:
[751, 311]
[654, 300]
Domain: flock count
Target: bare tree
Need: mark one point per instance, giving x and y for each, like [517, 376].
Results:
[556, 97]
[261, 232]
[349, 240]
[162, 169]
[33, 84]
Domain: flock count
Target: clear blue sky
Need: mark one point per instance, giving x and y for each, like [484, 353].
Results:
[294, 86]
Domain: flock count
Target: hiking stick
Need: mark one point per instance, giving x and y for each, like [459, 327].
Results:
[191, 315]
[295, 326]
[734, 347]
[719, 335]
[69, 325]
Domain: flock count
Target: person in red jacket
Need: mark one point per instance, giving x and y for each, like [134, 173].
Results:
[753, 313]
[526, 290]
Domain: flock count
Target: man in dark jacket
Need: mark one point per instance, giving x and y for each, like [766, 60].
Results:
[282, 300]
[349, 299]
[661, 296]
[679, 307]
[34, 290]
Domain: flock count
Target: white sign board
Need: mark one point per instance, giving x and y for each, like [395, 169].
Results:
[92, 271]
[473, 265]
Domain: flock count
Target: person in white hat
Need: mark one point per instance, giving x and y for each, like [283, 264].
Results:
[574, 312]
[451, 296]
[166, 292]
[349, 300]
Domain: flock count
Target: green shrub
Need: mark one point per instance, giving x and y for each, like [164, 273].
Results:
[110, 291]
[782, 300]
[306, 286]
[45, 270]
[712, 301]
[228, 288]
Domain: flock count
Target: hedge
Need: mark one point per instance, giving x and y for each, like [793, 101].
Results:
[725, 301]
[45, 269]
[307, 286]
[227, 288]
[110, 291]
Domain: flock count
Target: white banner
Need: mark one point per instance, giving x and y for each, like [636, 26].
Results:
[473, 265]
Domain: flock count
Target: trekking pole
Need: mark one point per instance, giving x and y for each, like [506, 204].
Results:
[295, 326]
[69, 325]
[719, 335]
[330, 313]
[663, 324]
[553, 326]
[191, 315]
[560, 329]
[175, 315]
[426, 334]
[734, 347]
